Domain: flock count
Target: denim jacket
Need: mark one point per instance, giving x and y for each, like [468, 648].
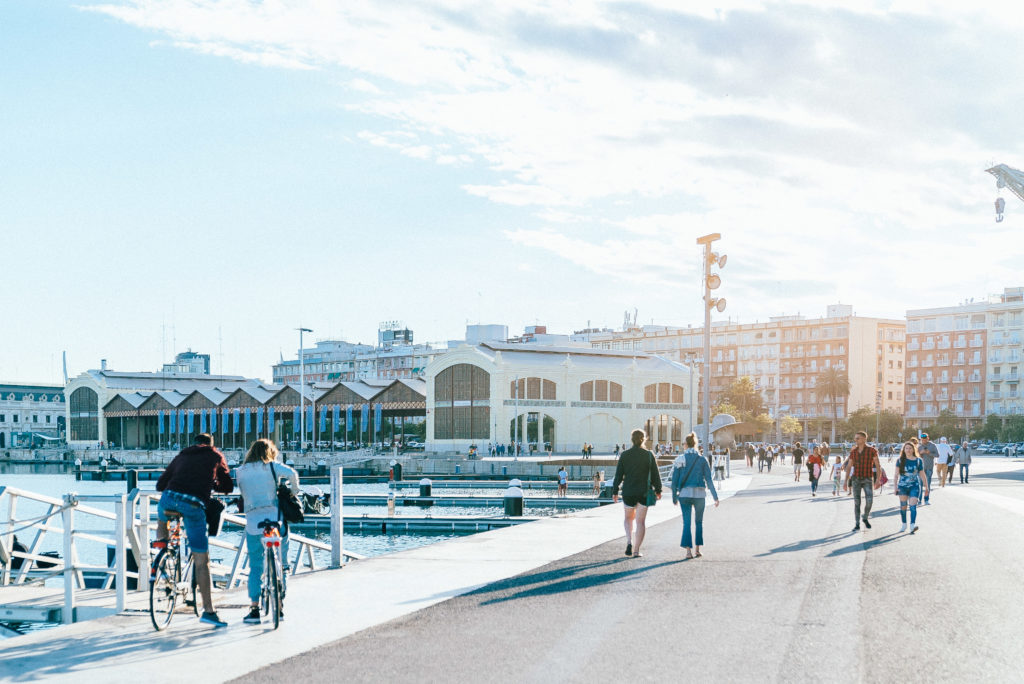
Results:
[699, 475]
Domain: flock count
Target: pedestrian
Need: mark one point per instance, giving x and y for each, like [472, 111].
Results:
[637, 472]
[862, 469]
[690, 473]
[762, 458]
[597, 482]
[814, 467]
[928, 453]
[909, 484]
[563, 482]
[750, 455]
[616, 451]
[942, 461]
[257, 481]
[964, 458]
[720, 460]
[836, 475]
[951, 464]
[798, 461]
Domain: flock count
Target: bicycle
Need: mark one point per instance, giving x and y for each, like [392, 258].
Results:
[272, 594]
[171, 578]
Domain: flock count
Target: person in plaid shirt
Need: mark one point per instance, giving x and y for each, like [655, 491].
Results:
[862, 470]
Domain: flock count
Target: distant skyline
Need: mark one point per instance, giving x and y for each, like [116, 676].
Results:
[210, 175]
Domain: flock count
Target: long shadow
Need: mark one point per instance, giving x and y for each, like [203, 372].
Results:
[1017, 475]
[556, 581]
[865, 545]
[805, 544]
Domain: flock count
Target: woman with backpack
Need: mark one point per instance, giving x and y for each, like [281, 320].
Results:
[690, 474]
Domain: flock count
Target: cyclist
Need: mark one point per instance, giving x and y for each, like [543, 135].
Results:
[257, 479]
[186, 485]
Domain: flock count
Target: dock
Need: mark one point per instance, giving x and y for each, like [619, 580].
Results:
[402, 523]
[470, 501]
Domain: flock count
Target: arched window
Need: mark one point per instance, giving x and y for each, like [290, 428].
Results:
[600, 390]
[532, 388]
[84, 407]
[462, 403]
[663, 393]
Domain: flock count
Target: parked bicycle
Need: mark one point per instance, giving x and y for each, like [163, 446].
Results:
[272, 594]
[316, 501]
[171, 576]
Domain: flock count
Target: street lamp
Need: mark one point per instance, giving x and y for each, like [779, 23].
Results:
[711, 282]
[302, 391]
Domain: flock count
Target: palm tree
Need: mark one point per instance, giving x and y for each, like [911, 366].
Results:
[834, 384]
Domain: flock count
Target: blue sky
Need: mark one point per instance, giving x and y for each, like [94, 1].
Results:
[215, 174]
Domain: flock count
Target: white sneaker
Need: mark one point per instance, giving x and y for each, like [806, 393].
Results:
[916, 528]
[903, 527]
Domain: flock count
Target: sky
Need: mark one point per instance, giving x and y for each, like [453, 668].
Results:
[213, 174]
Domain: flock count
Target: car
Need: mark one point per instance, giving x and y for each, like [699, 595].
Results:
[414, 444]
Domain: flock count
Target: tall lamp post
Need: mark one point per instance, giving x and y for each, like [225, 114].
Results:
[302, 391]
[711, 282]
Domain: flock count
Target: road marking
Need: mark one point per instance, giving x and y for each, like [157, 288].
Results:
[1005, 502]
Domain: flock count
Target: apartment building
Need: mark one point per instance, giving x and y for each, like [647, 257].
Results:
[784, 357]
[967, 359]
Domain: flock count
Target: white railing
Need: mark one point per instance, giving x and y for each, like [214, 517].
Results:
[126, 530]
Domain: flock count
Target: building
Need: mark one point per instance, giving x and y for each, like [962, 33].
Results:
[475, 334]
[188, 362]
[538, 334]
[553, 397]
[966, 359]
[31, 414]
[784, 357]
[328, 360]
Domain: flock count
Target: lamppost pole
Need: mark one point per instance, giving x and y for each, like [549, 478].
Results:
[302, 390]
[711, 282]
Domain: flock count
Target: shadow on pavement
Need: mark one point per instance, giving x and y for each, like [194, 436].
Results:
[804, 544]
[1016, 475]
[865, 544]
[567, 579]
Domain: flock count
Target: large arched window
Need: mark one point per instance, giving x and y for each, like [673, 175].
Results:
[663, 393]
[531, 388]
[84, 407]
[600, 390]
[462, 403]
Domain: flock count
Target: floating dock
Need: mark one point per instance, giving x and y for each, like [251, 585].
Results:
[469, 501]
[400, 523]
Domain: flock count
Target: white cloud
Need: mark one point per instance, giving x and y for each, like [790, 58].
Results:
[820, 138]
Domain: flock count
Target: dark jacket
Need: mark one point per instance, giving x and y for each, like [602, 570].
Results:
[635, 466]
[196, 471]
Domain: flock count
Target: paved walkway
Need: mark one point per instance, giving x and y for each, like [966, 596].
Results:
[785, 592]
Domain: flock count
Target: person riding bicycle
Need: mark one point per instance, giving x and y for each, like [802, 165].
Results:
[257, 479]
[186, 485]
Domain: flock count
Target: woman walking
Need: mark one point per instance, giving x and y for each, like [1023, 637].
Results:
[690, 473]
[638, 474]
[909, 484]
[837, 475]
[814, 467]
[257, 479]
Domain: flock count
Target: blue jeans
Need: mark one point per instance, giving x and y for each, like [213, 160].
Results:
[965, 474]
[697, 512]
[863, 485]
[193, 515]
[928, 473]
[254, 544]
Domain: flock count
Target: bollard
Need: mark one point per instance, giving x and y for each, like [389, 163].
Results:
[78, 469]
[391, 505]
[321, 467]
[398, 471]
[425, 485]
[133, 480]
[103, 469]
[513, 500]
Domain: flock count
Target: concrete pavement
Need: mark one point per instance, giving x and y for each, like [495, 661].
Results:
[785, 592]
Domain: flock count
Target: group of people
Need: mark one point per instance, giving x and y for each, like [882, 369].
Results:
[637, 474]
[187, 485]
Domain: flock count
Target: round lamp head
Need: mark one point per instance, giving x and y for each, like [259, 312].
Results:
[720, 305]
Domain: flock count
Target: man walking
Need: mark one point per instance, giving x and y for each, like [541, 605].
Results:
[862, 469]
[928, 453]
[965, 463]
[945, 451]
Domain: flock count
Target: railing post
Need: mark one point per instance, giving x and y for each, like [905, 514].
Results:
[68, 515]
[142, 533]
[337, 519]
[119, 551]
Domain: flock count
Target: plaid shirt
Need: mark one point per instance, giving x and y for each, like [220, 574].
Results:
[862, 464]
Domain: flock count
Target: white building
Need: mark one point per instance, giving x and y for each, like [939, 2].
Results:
[476, 394]
[27, 410]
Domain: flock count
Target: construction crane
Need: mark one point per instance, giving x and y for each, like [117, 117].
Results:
[1007, 177]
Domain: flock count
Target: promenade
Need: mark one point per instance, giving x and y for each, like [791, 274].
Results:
[785, 592]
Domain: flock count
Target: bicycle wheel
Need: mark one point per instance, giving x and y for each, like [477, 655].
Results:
[163, 589]
[273, 586]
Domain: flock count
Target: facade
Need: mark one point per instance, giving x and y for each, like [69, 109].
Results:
[966, 359]
[336, 361]
[556, 398]
[188, 362]
[784, 357]
[30, 414]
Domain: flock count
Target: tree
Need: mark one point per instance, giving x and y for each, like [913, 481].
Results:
[890, 424]
[742, 394]
[764, 423]
[1014, 430]
[790, 426]
[726, 407]
[990, 429]
[834, 384]
[946, 425]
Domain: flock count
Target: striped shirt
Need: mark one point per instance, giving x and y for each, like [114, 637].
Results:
[862, 463]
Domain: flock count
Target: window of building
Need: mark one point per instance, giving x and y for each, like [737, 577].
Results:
[532, 388]
[462, 408]
[663, 393]
[600, 390]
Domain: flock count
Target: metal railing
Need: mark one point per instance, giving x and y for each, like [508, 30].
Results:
[126, 530]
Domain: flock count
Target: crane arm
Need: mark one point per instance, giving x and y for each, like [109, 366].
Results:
[1010, 178]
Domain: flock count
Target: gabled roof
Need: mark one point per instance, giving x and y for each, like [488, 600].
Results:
[158, 401]
[403, 395]
[345, 393]
[126, 402]
[184, 382]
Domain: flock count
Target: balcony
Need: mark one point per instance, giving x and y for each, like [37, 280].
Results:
[911, 381]
[996, 341]
[959, 345]
[913, 346]
[960, 362]
[912, 363]
[976, 361]
[928, 346]
[995, 395]
[927, 364]
[943, 345]
[996, 377]
[976, 343]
